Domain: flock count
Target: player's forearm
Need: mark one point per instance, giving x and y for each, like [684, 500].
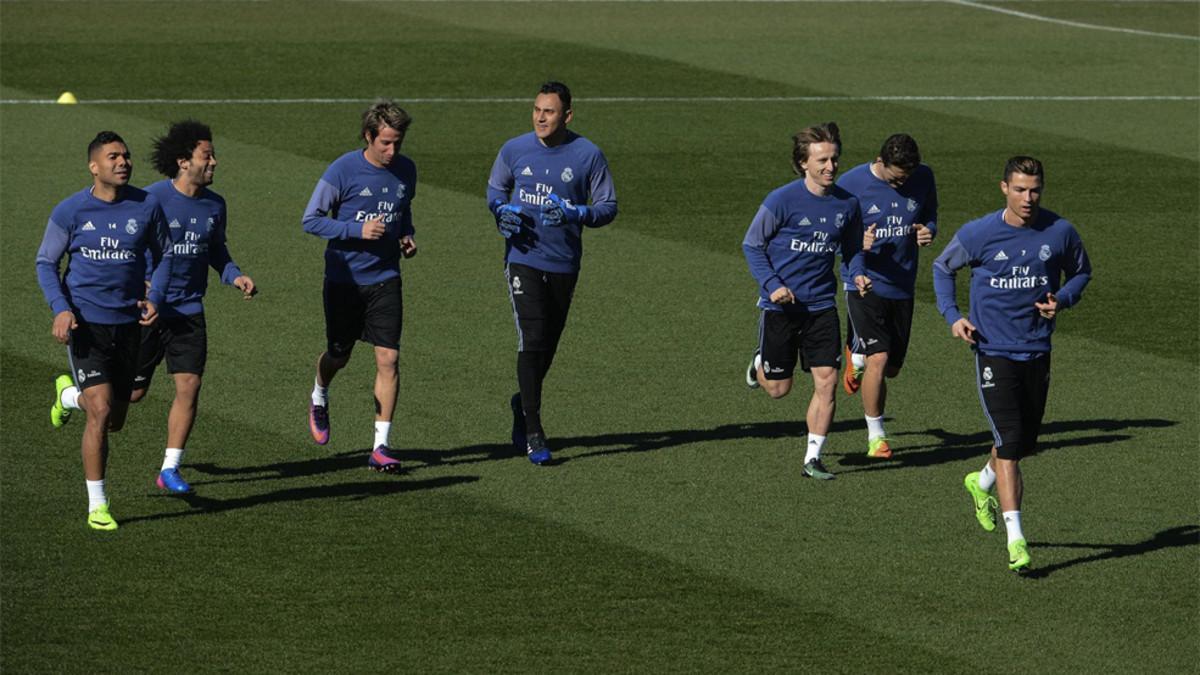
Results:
[600, 213]
[54, 245]
[1072, 291]
[760, 268]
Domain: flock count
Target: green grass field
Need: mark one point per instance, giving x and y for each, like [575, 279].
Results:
[676, 534]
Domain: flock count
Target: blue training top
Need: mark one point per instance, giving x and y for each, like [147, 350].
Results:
[351, 192]
[891, 264]
[197, 229]
[107, 245]
[526, 172]
[1011, 269]
[794, 239]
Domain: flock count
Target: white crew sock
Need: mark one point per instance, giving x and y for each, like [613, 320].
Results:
[858, 360]
[874, 427]
[171, 458]
[96, 496]
[320, 395]
[70, 397]
[382, 429]
[813, 449]
[1012, 521]
[758, 361]
[987, 478]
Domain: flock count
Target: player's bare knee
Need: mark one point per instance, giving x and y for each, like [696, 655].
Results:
[777, 388]
[137, 395]
[387, 360]
[187, 386]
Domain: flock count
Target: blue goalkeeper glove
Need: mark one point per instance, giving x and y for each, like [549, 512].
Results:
[556, 212]
[508, 220]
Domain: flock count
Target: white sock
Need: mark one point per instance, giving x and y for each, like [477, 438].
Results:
[382, 429]
[813, 449]
[874, 427]
[758, 361]
[987, 478]
[96, 496]
[171, 458]
[1012, 521]
[858, 360]
[320, 395]
[70, 397]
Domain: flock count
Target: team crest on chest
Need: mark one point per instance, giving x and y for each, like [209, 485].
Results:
[839, 220]
[567, 175]
[132, 226]
[912, 205]
[1044, 253]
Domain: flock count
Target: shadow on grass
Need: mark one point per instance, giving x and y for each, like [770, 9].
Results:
[1184, 535]
[952, 447]
[622, 442]
[352, 491]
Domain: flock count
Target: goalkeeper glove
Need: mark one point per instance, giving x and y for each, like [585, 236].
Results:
[557, 212]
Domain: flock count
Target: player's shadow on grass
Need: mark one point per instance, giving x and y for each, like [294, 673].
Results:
[952, 447]
[312, 466]
[384, 485]
[566, 449]
[1184, 535]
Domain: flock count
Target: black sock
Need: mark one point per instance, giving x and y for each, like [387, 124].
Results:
[530, 373]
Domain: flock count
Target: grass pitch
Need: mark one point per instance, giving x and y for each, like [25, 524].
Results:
[676, 533]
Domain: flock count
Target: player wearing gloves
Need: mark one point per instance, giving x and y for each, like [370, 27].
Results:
[545, 187]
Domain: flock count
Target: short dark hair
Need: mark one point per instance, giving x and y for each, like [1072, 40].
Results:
[1023, 164]
[383, 113]
[818, 133]
[562, 90]
[179, 143]
[900, 151]
[102, 139]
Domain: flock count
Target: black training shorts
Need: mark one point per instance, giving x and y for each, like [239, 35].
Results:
[181, 340]
[813, 336]
[373, 313]
[1014, 399]
[102, 353]
[879, 324]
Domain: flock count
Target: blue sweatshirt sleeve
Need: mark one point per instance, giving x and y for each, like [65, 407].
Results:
[852, 254]
[762, 229]
[500, 183]
[603, 208]
[1078, 271]
[406, 219]
[929, 212]
[317, 219]
[50, 253]
[219, 257]
[160, 246]
[952, 259]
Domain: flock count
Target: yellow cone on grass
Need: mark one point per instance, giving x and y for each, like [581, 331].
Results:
[67, 98]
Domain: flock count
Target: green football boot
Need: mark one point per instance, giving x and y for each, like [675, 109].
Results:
[101, 519]
[1018, 555]
[985, 504]
[59, 413]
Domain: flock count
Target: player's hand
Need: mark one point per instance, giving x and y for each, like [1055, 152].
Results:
[863, 283]
[869, 237]
[246, 285]
[408, 246]
[1048, 308]
[964, 329]
[783, 296]
[924, 234]
[508, 220]
[149, 312]
[64, 323]
[556, 212]
[374, 228]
